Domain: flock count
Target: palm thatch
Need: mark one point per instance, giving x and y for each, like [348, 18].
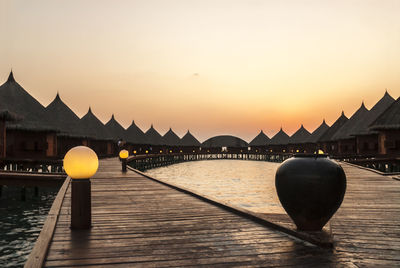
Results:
[280, 138]
[389, 119]
[189, 140]
[372, 115]
[317, 134]
[15, 99]
[171, 139]
[93, 127]
[328, 134]
[224, 141]
[115, 129]
[153, 137]
[352, 124]
[300, 136]
[260, 140]
[135, 135]
[64, 119]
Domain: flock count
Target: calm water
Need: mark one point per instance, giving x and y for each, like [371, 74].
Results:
[247, 184]
[21, 222]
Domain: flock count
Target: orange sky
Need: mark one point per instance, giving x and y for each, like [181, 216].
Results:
[214, 67]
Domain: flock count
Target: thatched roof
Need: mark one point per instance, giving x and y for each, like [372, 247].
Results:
[389, 119]
[15, 99]
[7, 116]
[317, 134]
[280, 138]
[115, 129]
[352, 124]
[260, 140]
[300, 136]
[153, 137]
[372, 115]
[93, 127]
[189, 140]
[328, 134]
[171, 139]
[64, 118]
[224, 141]
[135, 135]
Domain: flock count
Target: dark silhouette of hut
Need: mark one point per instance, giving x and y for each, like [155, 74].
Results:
[325, 142]
[71, 131]
[189, 144]
[5, 116]
[388, 127]
[298, 141]
[312, 141]
[136, 139]
[172, 141]
[279, 142]
[155, 140]
[33, 136]
[259, 143]
[225, 144]
[367, 139]
[117, 132]
[101, 140]
[345, 141]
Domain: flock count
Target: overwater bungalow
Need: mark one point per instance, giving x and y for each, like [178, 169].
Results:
[137, 142]
[259, 143]
[5, 116]
[116, 131]
[71, 131]
[326, 142]
[312, 141]
[101, 140]
[345, 141]
[225, 144]
[366, 138]
[388, 127]
[155, 140]
[172, 142]
[298, 141]
[279, 142]
[189, 144]
[32, 137]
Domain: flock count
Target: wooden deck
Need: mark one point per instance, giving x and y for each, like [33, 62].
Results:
[140, 222]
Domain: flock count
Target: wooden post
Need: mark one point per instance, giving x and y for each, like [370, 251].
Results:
[123, 161]
[81, 207]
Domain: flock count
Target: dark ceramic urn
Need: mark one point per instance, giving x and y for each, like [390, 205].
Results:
[311, 189]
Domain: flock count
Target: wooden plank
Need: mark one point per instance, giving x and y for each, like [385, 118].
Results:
[37, 256]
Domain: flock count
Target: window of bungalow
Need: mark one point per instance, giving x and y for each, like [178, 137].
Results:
[224, 149]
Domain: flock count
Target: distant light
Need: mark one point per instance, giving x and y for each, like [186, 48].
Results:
[193, 151]
[180, 151]
[81, 162]
[170, 151]
[160, 151]
[270, 151]
[256, 151]
[297, 151]
[134, 151]
[147, 151]
[319, 152]
[123, 154]
[283, 150]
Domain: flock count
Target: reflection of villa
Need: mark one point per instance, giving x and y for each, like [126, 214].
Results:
[30, 130]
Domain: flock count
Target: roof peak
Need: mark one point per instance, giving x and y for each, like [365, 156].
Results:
[112, 117]
[11, 77]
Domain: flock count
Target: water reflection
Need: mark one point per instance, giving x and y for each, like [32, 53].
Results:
[247, 184]
[21, 222]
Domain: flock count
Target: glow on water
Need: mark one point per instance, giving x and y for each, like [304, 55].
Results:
[247, 184]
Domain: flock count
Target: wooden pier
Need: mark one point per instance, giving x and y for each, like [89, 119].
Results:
[141, 222]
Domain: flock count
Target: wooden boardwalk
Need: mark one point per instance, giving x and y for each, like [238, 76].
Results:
[139, 222]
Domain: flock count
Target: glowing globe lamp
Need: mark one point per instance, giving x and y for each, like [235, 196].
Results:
[134, 152]
[123, 154]
[81, 162]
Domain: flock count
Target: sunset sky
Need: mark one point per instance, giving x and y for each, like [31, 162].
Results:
[214, 67]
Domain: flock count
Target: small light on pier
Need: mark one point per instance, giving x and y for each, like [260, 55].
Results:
[123, 154]
[147, 151]
[160, 151]
[81, 163]
[134, 152]
[170, 151]
[180, 151]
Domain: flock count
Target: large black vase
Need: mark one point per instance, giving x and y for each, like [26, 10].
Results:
[310, 189]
